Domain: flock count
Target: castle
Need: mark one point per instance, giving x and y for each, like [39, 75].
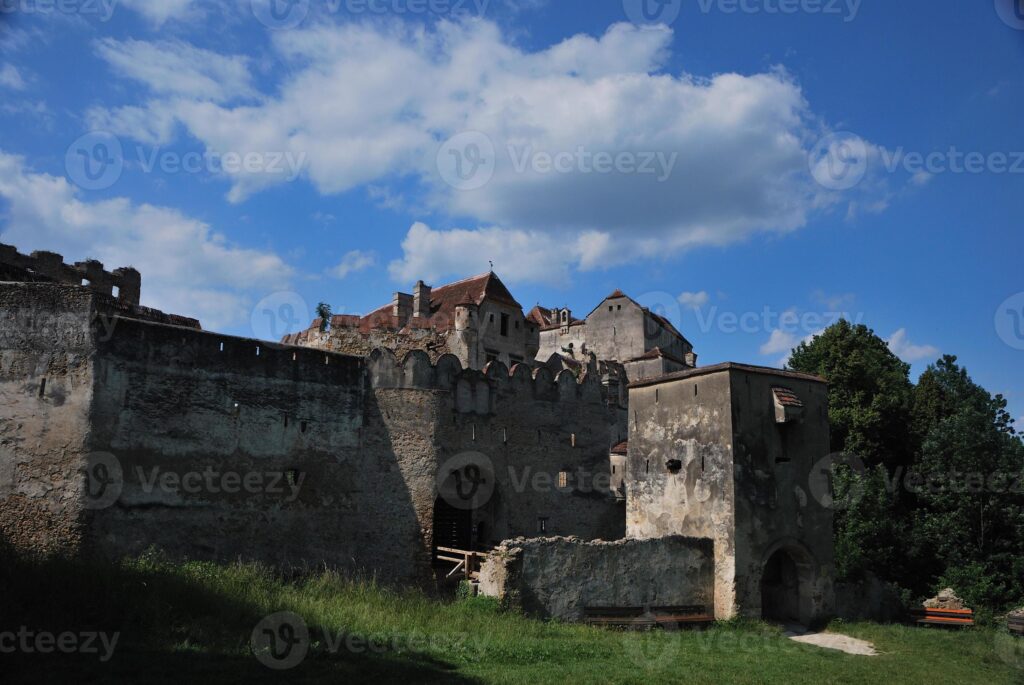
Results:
[592, 460]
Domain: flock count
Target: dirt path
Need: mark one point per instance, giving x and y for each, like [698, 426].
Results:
[844, 643]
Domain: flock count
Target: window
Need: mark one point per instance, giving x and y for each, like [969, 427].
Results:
[563, 480]
[611, 308]
[542, 524]
[293, 476]
[620, 307]
[504, 324]
[517, 324]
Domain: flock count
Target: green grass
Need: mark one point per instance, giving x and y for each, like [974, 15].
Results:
[181, 623]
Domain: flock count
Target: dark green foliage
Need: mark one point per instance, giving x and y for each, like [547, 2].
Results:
[941, 503]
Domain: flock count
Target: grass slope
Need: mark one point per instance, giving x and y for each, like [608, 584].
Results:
[192, 623]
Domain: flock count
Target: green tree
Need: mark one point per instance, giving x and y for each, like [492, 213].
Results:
[323, 313]
[870, 394]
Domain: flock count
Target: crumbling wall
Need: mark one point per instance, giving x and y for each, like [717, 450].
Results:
[560, 577]
[50, 266]
[46, 382]
[679, 470]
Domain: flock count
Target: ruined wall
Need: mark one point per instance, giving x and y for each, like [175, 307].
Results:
[348, 339]
[560, 577]
[50, 266]
[46, 379]
[689, 421]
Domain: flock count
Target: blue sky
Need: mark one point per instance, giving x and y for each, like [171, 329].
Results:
[748, 168]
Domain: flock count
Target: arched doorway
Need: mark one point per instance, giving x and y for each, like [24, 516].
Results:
[780, 589]
[787, 585]
[453, 526]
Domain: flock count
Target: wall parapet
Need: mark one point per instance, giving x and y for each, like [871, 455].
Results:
[50, 266]
[416, 371]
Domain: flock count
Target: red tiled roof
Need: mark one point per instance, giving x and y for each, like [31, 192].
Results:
[443, 301]
[621, 449]
[786, 397]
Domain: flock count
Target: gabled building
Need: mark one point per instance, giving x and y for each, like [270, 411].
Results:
[619, 329]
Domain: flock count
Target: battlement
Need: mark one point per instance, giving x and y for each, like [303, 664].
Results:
[50, 267]
[476, 391]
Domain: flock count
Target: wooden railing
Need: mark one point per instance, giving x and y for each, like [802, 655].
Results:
[468, 563]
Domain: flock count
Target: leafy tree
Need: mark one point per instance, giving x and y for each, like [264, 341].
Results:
[870, 394]
[323, 312]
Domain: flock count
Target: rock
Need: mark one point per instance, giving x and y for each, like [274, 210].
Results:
[1017, 613]
[946, 599]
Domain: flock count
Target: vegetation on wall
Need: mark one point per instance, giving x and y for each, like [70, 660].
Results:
[940, 500]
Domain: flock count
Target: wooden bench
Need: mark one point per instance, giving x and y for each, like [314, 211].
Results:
[943, 617]
[637, 617]
[1016, 624]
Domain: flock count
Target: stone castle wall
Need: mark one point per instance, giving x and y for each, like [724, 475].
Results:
[342, 454]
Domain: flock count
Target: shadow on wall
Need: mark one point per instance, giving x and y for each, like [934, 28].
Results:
[173, 623]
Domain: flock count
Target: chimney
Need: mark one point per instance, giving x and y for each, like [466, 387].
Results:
[401, 307]
[421, 301]
[691, 360]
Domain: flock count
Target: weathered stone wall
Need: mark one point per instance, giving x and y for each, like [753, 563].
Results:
[314, 458]
[689, 421]
[523, 428]
[46, 385]
[776, 506]
[707, 458]
[560, 577]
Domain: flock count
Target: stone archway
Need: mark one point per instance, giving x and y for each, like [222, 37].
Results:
[787, 585]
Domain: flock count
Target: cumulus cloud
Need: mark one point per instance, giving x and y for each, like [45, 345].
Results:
[587, 143]
[900, 345]
[352, 262]
[517, 255]
[785, 341]
[187, 267]
[694, 300]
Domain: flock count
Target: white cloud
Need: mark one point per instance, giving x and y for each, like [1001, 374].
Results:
[369, 103]
[160, 11]
[187, 268]
[780, 341]
[11, 78]
[694, 300]
[352, 262]
[517, 255]
[179, 69]
[900, 345]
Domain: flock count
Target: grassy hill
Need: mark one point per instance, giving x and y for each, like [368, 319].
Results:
[192, 622]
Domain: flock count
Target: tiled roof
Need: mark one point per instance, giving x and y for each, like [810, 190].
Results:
[621, 449]
[443, 301]
[786, 397]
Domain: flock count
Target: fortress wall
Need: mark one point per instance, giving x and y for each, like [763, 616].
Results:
[46, 377]
[523, 429]
[175, 403]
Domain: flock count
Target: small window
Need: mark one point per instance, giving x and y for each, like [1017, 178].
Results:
[613, 469]
[303, 426]
[620, 307]
[42, 387]
[293, 476]
[563, 480]
[504, 325]
[517, 325]
[542, 524]
[611, 308]
[674, 465]
[491, 318]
